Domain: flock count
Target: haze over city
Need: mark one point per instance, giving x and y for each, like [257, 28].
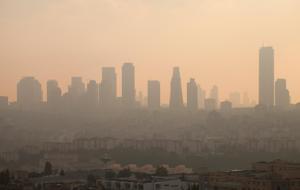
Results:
[149, 95]
[216, 42]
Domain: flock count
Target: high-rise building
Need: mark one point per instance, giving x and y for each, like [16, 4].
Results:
[282, 94]
[77, 88]
[214, 94]
[3, 102]
[92, 94]
[246, 100]
[225, 106]
[266, 76]
[53, 94]
[140, 99]
[201, 97]
[128, 85]
[210, 104]
[74, 98]
[108, 87]
[29, 93]
[176, 99]
[235, 99]
[153, 94]
[192, 95]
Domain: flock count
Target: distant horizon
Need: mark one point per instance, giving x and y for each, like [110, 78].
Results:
[215, 42]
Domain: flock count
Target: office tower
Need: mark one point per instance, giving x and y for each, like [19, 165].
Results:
[108, 88]
[75, 95]
[192, 95]
[29, 93]
[140, 98]
[282, 94]
[53, 94]
[128, 85]
[3, 102]
[225, 106]
[176, 99]
[210, 104]
[92, 94]
[201, 97]
[153, 94]
[246, 100]
[235, 99]
[77, 87]
[214, 94]
[266, 76]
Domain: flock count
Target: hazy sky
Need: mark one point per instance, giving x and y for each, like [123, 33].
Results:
[214, 41]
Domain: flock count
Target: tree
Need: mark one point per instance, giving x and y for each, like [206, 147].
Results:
[91, 179]
[4, 178]
[161, 171]
[48, 168]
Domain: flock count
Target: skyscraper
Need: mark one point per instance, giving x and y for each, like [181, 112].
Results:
[53, 94]
[235, 99]
[246, 100]
[29, 93]
[214, 94]
[266, 76]
[108, 87]
[210, 104]
[153, 94]
[92, 94]
[77, 87]
[201, 97]
[128, 85]
[192, 95]
[176, 99]
[282, 94]
[225, 106]
[75, 95]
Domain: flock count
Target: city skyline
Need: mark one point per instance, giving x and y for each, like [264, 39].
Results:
[214, 42]
[105, 93]
[91, 95]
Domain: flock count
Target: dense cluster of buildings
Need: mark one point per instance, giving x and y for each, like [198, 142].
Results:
[67, 154]
[209, 145]
[274, 175]
[103, 95]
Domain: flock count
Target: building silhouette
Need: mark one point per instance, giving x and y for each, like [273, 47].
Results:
[225, 106]
[3, 102]
[128, 85]
[210, 104]
[77, 88]
[108, 88]
[235, 99]
[192, 95]
[201, 97]
[74, 98]
[246, 100]
[53, 94]
[266, 76]
[153, 94]
[92, 94]
[29, 94]
[176, 99]
[140, 99]
[214, 94]
[282, 94]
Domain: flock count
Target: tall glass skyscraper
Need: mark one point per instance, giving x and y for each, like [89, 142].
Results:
[266, 76]
[176, 99]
